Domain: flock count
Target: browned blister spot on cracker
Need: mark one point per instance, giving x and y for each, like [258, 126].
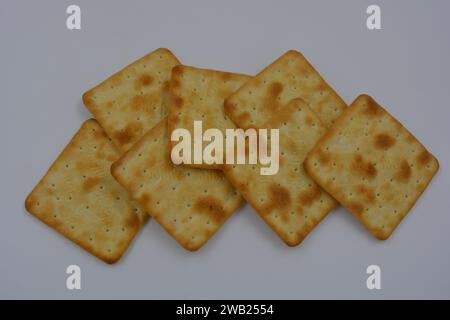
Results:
[271, 98]
[279, 197]
[137, 102]
[244, 116]
[371, 108]
[132, 222]
[128, 134]
[124, 136]
[384, 141]
[307, 198]
[323, 156]
[356, 207]
[173, 118]
[91, 182]
[404, 172]
[308, 120]
[362, 167]
[424, 158]
[210, 207]
[143, 80]
[145, 199]
[177, 71]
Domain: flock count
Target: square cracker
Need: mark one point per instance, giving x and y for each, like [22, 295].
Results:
[372, 165]
[133, 100]
[290, 76]
[290, 202]
[79, 198]
[190, 204]
[198, 95]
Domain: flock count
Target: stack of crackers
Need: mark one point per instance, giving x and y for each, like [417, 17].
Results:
[116, 172]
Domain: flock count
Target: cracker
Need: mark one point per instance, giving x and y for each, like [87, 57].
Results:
[133, 100]
[290, 76]
[198, 94]
[79, 198]
[372, 165]
[190, 204]
[290, 202]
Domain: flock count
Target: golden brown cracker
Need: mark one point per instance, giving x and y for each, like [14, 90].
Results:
[290, 76]
[79, 198]
[198, 95]
[372, 165]
[190, 204]
[290, 202]
[133, 100]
